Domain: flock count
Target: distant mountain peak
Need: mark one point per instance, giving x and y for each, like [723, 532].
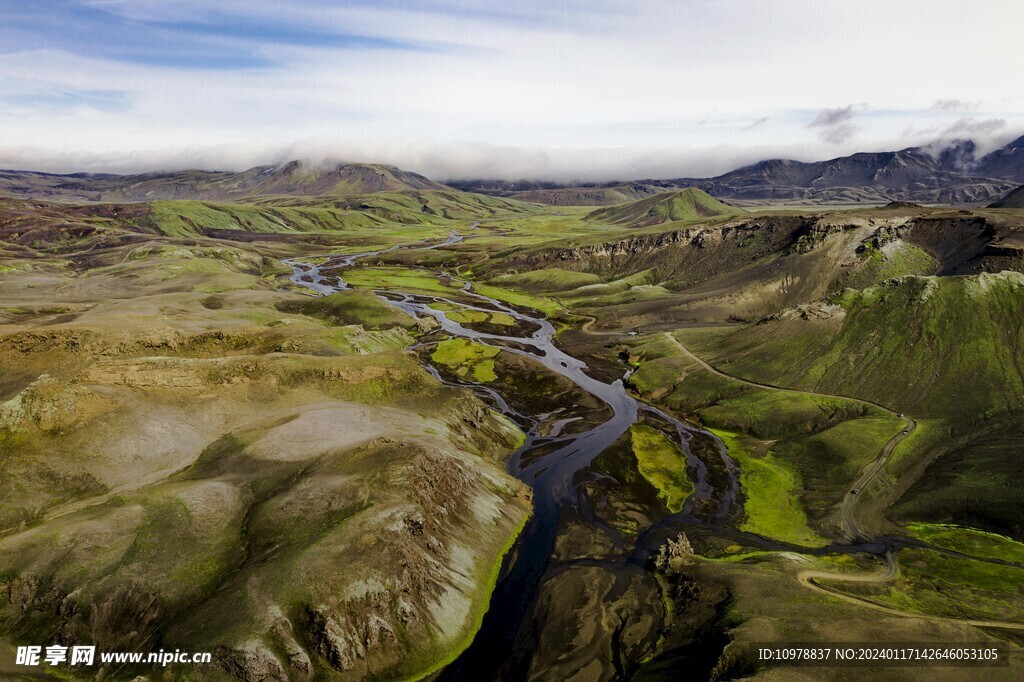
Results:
[297, 177]
[947, 172]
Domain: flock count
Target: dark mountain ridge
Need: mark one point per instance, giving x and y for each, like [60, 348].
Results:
[295, 178]
[1014, 199]
[950, 174]
[947, 174]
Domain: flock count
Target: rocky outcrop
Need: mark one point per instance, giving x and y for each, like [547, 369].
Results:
[358, 563]
[317, 547]
[254, 663]
[607, 256]
[50, 405]
[817, 310]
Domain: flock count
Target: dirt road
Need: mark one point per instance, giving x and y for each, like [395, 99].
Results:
[848, 508]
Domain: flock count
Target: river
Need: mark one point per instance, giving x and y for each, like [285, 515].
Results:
[552, 472]
[550, 465]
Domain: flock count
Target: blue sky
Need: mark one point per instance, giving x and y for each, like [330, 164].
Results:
[547, 89]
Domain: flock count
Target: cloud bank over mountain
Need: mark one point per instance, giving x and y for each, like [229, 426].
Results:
[550, 90]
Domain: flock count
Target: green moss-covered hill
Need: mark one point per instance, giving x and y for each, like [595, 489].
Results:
[683, 204]
[183, 218]
[934, 346]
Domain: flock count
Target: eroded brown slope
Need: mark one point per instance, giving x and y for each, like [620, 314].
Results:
[185, 465]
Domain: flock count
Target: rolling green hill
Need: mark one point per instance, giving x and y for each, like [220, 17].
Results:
[944, 347]
[413, 207]
[683, 204]
[295, 178]
[946, 351]
[314, 214]
[587, 196]
[299, 178]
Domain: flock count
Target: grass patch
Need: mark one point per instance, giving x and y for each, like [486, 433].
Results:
[503, 319]
[930, 435]
[766, 413]
[829, 461]
[769, 483]
[934, 347]
[395, 278]
[942, 585]
[663, 464]
[358, 341]
[969, 541]
[357, 307]
[481, 317]
[549, 279]
[897, 260]
[466, 357]
[973, 484]
[518, 298]
[684, 204]
[489, 582]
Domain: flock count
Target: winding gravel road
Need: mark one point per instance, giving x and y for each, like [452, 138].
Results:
[848, 508]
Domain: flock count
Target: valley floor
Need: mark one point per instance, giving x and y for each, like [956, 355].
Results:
[739, 428]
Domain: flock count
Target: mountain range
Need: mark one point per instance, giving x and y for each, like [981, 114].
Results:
[295, 178]
[1014, 199]
[951, 174]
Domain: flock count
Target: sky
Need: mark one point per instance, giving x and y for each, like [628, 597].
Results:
[542, 89]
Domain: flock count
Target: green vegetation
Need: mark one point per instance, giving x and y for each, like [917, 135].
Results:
[355, 340]
[396, 278]
[481, 604]
[829, 461]
[768, 414]
[967, 483]
[468, 316]
[937, 334]
[679, 205]
[357, 307]
[184, 218]
[943, 585]
[826, 440]
[616, 293]
[770, 484]
[969, 541]
[502, 319]
[435, 206]
[190, 218]
[524, 300]
[481, 317]
[548, 279]
[291, 507]
[466, 357]
[663, 464]
[929, 436]
[896, 260]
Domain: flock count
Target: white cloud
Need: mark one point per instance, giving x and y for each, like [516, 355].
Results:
[951, 105]
[971, 127]
[832, 117]
[543, 82]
